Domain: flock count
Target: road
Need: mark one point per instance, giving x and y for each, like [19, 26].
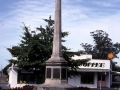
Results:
[4, 85]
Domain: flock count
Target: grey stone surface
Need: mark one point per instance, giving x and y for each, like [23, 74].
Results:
[57, 30]
[56, 87]
[56, 61]
[4, 85]
[57, 53]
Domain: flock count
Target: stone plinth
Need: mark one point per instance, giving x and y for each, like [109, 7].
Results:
[56, 87]
[56, 71]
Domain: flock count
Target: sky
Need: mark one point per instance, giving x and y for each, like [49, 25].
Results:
[79, 18]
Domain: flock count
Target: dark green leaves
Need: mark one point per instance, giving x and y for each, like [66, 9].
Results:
[102, 45]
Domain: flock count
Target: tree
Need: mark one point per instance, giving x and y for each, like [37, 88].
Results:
[102, 46]
[36, 47]
[6, 68]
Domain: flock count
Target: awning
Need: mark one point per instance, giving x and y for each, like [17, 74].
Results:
[93, 70]
[115, 72]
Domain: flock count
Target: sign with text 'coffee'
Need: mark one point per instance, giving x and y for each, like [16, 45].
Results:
[96, 64]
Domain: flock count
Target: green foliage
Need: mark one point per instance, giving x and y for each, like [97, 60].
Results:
[36, 47]
[102, 46]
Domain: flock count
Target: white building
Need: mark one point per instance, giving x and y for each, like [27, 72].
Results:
[15, 77]
[91, 73]
[18, 77]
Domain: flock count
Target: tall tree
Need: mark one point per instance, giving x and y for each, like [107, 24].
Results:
[36, 47]
[102, 46]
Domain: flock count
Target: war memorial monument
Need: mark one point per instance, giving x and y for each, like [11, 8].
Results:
[56, 66]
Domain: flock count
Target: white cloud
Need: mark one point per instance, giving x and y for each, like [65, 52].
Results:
[103, 3]
[79, 20]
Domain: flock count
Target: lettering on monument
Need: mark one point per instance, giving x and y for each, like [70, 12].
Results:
[48, 72]
[56, 73]
[63, 73]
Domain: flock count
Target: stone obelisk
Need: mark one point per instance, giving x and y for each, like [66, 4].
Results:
[56, 66]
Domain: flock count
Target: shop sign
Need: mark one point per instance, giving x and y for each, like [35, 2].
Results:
[96, 64]
[93, 64]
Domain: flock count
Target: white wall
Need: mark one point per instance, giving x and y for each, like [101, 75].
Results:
[12, 77]
[108, 80]
[74, 80]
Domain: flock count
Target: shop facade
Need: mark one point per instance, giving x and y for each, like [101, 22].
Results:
[93, 73]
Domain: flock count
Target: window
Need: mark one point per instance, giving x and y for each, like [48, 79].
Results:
[25, 77]
[87, 78]
[29, 77]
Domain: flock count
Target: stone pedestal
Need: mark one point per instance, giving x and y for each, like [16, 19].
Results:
[56, 76]
[56, 71]
[56, 87]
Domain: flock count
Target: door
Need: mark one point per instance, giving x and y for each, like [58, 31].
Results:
[101, 77]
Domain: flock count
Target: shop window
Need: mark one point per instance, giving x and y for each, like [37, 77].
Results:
[25, 78]
[29, 77]
[87, 78]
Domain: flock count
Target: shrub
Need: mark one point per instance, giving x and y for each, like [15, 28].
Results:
[27, 87]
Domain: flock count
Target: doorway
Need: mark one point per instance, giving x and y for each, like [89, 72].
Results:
[101, 77]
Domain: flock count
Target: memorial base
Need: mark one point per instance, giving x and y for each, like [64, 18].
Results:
[55, 87]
